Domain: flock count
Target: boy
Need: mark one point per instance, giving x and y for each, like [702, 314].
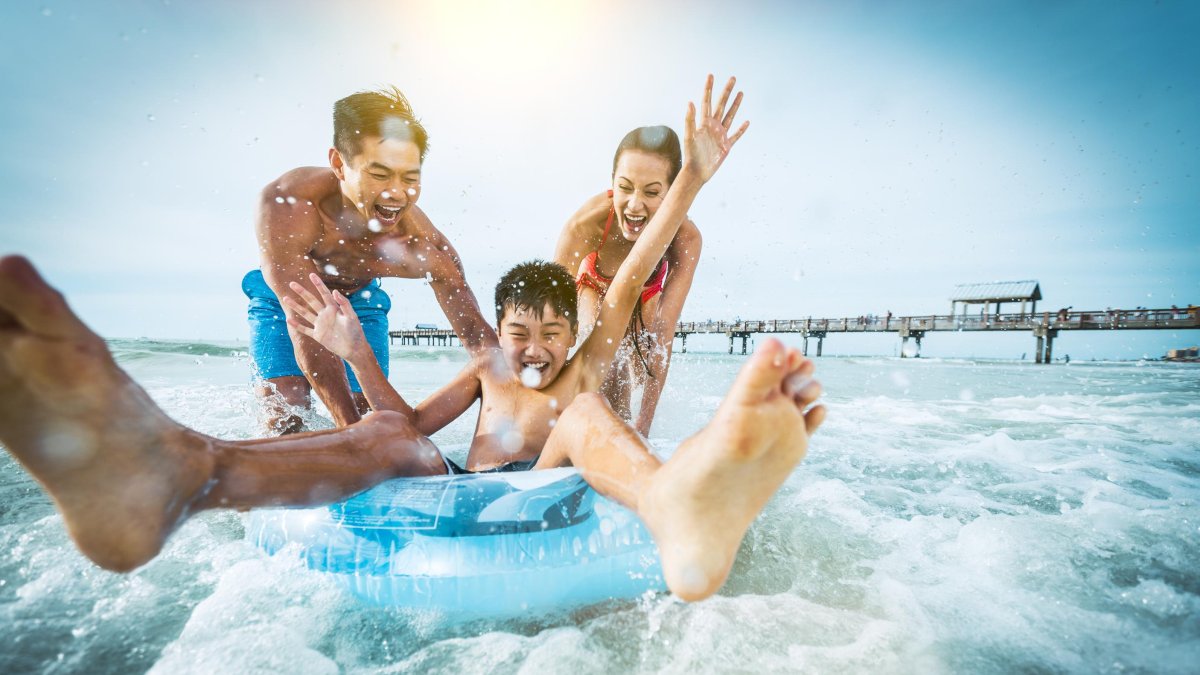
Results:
[124, 475]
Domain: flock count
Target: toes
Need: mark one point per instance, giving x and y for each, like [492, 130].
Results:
[763, 371]
[27, 300]
[813, 418]
[802, 388]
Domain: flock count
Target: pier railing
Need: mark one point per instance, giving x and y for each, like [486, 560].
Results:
[1148, 319]
[1044, 325]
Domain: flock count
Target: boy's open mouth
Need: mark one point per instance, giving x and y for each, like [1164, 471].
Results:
[533, 372]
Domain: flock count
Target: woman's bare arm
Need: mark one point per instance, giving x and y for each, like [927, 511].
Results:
[683, 258]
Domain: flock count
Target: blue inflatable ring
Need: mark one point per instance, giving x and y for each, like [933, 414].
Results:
[499, 544]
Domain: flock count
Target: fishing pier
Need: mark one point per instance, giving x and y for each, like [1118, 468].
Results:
[989, 297]
[1044, 327]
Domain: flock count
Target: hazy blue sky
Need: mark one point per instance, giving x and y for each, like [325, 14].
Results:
[896, 148]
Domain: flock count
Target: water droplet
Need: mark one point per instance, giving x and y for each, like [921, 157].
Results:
[150, 118]
[291, 200]
[412, 192]
[385, 195]
[512, 440]
[530, 377]
[279, 200]
[331, 270]
[374, 226]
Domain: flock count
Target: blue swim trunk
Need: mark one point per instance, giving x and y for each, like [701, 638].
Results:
[270, 346]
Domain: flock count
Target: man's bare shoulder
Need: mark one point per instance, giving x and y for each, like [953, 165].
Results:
[289, 214]
[310, 183]
[418, 223]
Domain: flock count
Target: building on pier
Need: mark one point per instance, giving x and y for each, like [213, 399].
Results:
[994, 294]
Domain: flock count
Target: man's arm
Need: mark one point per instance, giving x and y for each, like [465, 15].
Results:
[705, 147]
[683, 257]
[449, 282]
[286, 234]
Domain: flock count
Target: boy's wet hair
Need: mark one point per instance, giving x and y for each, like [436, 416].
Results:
[657, 140]
[533, 285]
[385, 113]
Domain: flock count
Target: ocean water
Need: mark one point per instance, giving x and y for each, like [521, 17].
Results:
[952, 516]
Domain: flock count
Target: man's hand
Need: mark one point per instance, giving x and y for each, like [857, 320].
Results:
[328, 318]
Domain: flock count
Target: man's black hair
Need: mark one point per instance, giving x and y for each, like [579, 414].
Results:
[533, 285]
[385, 113]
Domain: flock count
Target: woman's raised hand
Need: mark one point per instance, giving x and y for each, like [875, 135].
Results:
[707, 141]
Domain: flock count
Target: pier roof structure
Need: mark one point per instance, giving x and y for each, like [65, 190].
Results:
[996, 293]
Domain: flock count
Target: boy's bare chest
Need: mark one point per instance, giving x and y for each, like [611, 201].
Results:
[514, 423]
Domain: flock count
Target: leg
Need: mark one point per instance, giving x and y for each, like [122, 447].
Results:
[360, 403]
[700, 503]
[280, 396]
[121, 472]
[609, 453]
[283, 387]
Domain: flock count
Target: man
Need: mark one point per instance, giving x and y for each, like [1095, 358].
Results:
[350, 223]
[124, 475]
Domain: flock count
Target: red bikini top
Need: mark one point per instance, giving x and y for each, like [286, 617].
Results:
[590, 276]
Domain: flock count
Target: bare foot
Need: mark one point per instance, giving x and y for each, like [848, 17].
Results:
[700, 503]
[121, 472]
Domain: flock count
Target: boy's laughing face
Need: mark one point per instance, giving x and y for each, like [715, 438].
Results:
[535, 348]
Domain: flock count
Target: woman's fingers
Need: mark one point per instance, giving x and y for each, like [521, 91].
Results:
[737, 103]
[720, 109]
[741, 130]
[706, 106]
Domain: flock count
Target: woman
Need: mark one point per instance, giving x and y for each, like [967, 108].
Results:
[599, 236]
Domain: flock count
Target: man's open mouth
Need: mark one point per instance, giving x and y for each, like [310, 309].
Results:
[388, 215]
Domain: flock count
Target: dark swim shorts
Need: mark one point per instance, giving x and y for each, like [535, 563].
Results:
[270, 346]
[525, 465]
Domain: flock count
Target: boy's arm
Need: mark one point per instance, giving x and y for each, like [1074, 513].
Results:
[704, 149]
[329, 319]
[446, 404]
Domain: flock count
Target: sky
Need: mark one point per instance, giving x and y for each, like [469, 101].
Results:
[896, 149]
